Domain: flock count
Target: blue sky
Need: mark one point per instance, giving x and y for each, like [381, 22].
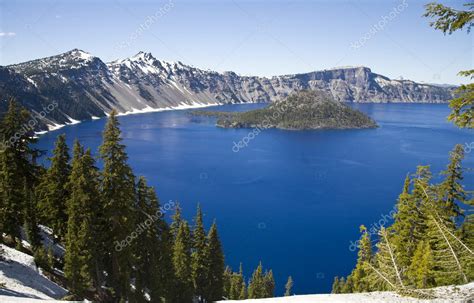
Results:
[249, 37]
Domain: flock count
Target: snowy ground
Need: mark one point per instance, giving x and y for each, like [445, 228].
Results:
[46, 234]
[450, 294]
[26, 283]
[22, 279]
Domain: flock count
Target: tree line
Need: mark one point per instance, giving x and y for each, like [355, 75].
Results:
[118, 245]
[429, 244]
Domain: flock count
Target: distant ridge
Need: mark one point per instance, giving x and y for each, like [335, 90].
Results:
[84, 87]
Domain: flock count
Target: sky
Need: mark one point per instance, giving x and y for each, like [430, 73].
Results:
[263, 38]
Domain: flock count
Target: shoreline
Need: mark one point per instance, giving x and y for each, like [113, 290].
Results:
[133, 111]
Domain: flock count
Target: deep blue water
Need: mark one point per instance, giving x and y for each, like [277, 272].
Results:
[293, 199]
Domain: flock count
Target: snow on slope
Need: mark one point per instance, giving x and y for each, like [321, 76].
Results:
[447, 294]
[23, 279]
[26, 283]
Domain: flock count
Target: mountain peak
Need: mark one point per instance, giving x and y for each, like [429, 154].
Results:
[80, 54]
[143, 56]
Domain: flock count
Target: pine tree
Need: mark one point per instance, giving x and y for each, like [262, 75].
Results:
[31, 227]
[289, 286]
[256, 289]
[167, 281]
[238, 289]
[452, 191]
[118, 194]
[386, 273]
[336, 285]
[227, 282]
[200, 257]
[149, 246]
[466, 235]
[11, 197]
[406, 221]
[446, 249]
[182, 265]
[360, 273]
[419, 214]
[449, 20]
[346, 285]
[269, 284]
[16, 167]
[420, 273]
[243, 291]
[215, 284]
[176, 221]
[82, 262]
[52, 190]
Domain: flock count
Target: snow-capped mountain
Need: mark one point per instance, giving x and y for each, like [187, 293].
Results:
[83, 86]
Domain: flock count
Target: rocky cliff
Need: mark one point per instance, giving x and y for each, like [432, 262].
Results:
[85, 87]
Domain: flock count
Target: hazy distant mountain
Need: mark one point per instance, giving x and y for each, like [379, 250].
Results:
[84, 86]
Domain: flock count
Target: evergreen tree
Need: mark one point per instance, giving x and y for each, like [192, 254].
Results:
[176, 221]
[16, 167]
[447, 251]
[336, 286]
[347, 286]
[238, 289]
[165, 262]
[449, 20]
[289, 286]
[243, 291]
[406, 221]
[200, 257]
[421, 186]
[11, 198]
[82, 262]
[31, 228]
[227, 282]
[360, 273]
[466, 235]
[452, 191]
[256, 289]
[215, 283]
[118, 194]
[52, 190]
[149, 246]
[386, 273]
[182, 265]
[269, 284]
[420, 273]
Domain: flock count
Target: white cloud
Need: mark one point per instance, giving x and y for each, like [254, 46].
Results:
[7, 34]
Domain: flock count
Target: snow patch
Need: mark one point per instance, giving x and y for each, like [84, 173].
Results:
[23, 279]
[445, 294]
[55, 126]
[31, 81]
[73, 121]
[181, 106]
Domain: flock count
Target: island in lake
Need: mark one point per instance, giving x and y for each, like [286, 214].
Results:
[302, 110]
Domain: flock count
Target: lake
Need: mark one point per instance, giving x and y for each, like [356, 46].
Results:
[293, 199]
